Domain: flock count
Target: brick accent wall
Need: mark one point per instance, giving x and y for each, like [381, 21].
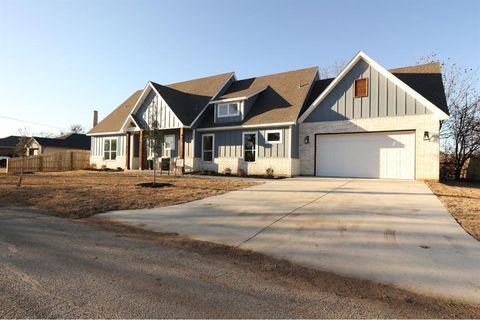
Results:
[98, 161]
[281, 166]
[426, 152]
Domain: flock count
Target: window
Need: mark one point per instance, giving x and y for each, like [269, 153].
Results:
[228, 109]
[249, 146]
[207, 147]
[110, 149]
[169, 142]
[273, 136]
[361, 88]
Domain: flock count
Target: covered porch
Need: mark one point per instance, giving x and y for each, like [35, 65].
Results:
[138, 155]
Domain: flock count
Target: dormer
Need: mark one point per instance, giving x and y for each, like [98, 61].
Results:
[229, 111]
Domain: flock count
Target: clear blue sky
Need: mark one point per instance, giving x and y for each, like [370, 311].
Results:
[59, 60]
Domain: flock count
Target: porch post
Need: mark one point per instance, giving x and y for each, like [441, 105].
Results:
[181, 148]
[142, 158]
[127, 150]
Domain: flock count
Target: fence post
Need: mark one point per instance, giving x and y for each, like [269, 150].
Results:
[71, 160]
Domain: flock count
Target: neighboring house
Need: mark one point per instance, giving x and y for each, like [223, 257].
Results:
[473, 168]
[367, 122]
[8, 145]
[72, 141]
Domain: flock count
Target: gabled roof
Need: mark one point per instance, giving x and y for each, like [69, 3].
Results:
[425, 79]
[9, 142]
[70, 141]
[115, 120]
[244, 88]
[187, 99]
[439, 110]
[280, 102]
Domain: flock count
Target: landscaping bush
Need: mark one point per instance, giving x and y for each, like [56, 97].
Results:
[269, 172]
[241, 172]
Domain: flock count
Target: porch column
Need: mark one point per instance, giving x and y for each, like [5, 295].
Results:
[142, 157]
[181, 147]
[127, 150]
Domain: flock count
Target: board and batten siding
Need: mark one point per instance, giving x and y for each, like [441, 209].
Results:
[97, 145]
[384, 99]
[229, 144]
[174, 153]
[165, 116]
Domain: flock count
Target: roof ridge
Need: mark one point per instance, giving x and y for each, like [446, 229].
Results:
[195, 79]
[417, 66]
[278, 73]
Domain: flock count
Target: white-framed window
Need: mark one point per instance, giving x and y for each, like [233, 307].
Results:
[249, 146]
[169, 142]
[273, 136]
[208, 147]
[110, 149]
[228, 109]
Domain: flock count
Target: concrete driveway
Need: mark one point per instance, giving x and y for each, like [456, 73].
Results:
[392, 232]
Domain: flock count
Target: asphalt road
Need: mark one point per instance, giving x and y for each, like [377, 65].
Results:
[57, 268]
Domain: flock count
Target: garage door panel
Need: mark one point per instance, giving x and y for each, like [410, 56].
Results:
[370, 155]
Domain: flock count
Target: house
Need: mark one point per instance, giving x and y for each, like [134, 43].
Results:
[367, 122]
[71, 141]
[8, 146]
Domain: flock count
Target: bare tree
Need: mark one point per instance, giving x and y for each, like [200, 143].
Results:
[21, 149]
[44, 134]
[331, 71]
[77, 128]
[460, 133]
[154, 139]
[462, 130]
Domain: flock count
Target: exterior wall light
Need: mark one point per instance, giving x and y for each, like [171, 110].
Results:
[426, 136]
[306, 140]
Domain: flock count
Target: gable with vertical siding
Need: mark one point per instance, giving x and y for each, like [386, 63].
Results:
[165, 117]
[385, 99]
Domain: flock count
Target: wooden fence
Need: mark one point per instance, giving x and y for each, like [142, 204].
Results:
[58, 161]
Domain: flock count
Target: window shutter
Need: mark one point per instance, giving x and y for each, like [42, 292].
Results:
[361, 88]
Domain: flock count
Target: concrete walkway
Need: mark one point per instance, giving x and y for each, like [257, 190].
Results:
[392, 232]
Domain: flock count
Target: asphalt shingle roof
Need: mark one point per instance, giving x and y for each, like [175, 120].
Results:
[114, 121]
[282, 98]
[281, 101]
[9, 142]
[70, 141]
[187, 99]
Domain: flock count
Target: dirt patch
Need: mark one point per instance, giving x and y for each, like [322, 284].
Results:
[462, 199]
[283, 270]
[82, 194]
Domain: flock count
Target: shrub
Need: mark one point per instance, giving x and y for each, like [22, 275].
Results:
[227, 171]
[241, 172]
[269, 172]
[104, 167]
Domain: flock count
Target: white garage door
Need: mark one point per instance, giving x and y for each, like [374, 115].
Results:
[388, 155]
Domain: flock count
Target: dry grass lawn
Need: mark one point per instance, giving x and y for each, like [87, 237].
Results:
[82, 194]
[462, 199]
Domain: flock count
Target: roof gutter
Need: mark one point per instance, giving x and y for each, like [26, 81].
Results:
[264, 125]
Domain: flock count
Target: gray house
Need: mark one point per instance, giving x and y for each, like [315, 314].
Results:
[367, 122]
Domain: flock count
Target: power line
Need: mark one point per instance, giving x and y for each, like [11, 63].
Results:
[31, 122]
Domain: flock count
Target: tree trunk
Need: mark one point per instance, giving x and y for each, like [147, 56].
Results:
[154, 170]
[19, 183]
